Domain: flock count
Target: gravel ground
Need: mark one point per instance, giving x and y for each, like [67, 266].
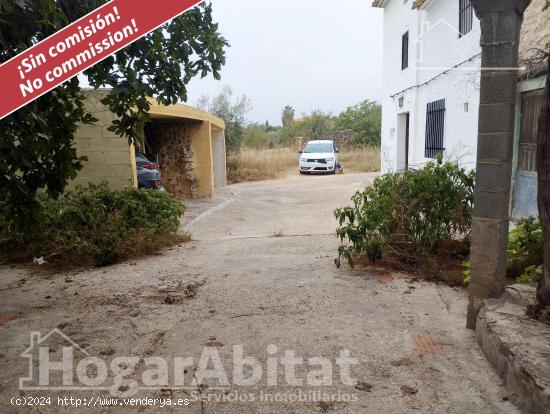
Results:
[259, 274]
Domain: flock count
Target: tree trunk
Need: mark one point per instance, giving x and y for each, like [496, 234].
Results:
[543, 171]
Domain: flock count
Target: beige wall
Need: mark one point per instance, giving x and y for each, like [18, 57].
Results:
[201, 143]
[110, 158]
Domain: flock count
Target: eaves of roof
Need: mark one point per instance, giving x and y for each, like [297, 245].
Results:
[417, 4]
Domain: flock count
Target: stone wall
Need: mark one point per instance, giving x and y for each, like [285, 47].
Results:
[168, 142]
[342, 139]
[535, 33]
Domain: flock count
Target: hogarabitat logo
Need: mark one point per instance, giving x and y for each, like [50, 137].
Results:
[57, 363]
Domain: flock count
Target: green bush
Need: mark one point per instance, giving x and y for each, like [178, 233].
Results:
[99, 225]
[525, 251]
[410, 214]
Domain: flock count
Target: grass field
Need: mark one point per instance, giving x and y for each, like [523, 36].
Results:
[269, 164]
[362, 159]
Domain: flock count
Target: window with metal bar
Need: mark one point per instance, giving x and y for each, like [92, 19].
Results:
[465, 17]
[405, 51]
[435, 127]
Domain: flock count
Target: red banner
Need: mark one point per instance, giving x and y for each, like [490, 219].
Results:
[80, 45]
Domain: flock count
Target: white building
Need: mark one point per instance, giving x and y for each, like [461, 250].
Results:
[431, 82]
[432, 67]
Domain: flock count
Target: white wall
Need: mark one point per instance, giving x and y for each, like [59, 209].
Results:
[398, 19]
[434, 48]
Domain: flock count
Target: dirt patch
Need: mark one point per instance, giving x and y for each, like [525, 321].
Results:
[325, 406]
[181, 291]
[403, 362]
[446, 266]
[385, 277]
[426, 345]
[5, 318]
[408, 390]
[363, 386]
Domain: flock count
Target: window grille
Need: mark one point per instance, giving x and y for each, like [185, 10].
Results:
[435, 127]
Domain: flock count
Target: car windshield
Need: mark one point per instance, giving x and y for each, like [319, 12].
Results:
[318, 147]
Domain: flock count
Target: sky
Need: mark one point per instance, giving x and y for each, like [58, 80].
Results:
[309, 54]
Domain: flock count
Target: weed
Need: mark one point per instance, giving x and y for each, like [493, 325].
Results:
[97, 225]
[257, 165]
[525, 251]
[531, 274]
[467, 273]
[360, 159]
[409, 215]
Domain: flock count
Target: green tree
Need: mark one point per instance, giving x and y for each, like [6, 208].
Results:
[36, 142]
[317, 125]
[288, 116]
[233, 113]
[365, 119]
[255, 136]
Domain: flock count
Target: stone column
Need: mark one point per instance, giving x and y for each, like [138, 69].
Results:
[500, 27]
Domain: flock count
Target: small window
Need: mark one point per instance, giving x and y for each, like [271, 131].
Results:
[465, 17]
[435, 127]
[405, 51]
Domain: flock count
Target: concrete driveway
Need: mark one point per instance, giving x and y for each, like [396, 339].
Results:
[258, 279]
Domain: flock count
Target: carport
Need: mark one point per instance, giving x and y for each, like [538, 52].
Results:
[187, 143]
[189, 146]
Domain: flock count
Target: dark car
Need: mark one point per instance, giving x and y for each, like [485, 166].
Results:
[148, 173]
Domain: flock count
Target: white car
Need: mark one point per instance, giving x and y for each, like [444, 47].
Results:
[318, 157]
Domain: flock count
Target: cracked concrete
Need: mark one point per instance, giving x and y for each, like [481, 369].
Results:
[259, 277]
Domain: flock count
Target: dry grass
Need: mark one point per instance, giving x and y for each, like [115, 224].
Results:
[263, 164]
[269, 164]
[362, 159]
